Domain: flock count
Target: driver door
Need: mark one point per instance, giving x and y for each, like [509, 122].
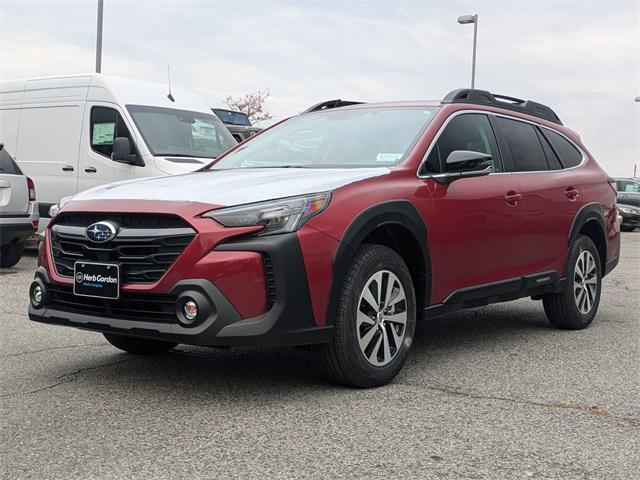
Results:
[102, 124]
[477, 232]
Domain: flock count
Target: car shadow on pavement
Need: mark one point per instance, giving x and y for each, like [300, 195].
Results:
[198, 371]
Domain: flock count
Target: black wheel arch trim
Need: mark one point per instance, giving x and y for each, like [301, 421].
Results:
[394, 212]
[591, 212]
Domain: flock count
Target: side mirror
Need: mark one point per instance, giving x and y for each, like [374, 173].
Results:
[122, 152]
[465, 163]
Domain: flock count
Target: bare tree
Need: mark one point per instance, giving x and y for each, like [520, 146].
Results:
[252, 104]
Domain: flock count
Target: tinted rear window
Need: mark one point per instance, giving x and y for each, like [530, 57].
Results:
[233, 118]
[523, 149]
[552, 158]
[569, 155]
[7, 165]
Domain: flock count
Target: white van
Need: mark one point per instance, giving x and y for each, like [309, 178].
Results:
[71, 133]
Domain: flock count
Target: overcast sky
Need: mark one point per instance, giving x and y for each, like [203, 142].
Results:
[581, 58]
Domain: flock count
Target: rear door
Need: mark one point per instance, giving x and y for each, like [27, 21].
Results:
[550, 193]
[14, 192]
[478, 230]
[49, 136]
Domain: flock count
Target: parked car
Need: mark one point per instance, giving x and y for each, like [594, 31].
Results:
[628, 191]
[238, 123]
[18, 210]
[630, 217]
[74, 132]
[403, 211]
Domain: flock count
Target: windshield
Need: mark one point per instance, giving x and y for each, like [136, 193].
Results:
[336, 138]
[181, 133]
[232, 118]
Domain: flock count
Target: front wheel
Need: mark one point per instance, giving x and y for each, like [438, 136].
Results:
[139, 346]
[576, 306]
[375, 320]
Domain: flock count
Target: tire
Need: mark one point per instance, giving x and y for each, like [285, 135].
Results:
[138, 346]
[11, 254]
[627, 228]
[357, 323]
[576, 306]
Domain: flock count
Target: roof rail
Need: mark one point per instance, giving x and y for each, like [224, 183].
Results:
[483, 97]
[326, 105]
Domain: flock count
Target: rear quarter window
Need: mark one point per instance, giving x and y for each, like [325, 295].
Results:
[7, 165]
[569, 155]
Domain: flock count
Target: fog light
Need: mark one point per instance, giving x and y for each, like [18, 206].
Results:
[37, 294]
[190, 310]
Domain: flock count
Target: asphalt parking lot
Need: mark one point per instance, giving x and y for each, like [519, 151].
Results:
[494, 392]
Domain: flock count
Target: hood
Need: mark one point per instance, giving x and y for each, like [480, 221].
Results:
[234, 186]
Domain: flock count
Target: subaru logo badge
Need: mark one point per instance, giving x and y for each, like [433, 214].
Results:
[101, 232]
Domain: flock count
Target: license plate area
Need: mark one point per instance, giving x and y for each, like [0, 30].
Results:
[98, 280]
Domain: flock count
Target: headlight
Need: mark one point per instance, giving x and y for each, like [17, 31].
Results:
[53, 210]
[277, 216]
[628, 210]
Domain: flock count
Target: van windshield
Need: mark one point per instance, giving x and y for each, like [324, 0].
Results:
[181, 133]
[362, 137]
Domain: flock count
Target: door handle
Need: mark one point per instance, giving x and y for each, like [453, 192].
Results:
[512, 198]
[90, 170]
[67, 168]
[571, 193]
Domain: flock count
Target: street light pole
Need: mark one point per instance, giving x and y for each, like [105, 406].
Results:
[463, 20]
[99, 38]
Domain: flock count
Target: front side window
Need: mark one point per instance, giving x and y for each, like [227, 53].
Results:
[627, 186]
[363, 137]
[181, 133]
[521, 146]
[569, 155]
[106, 125]
[470, 132]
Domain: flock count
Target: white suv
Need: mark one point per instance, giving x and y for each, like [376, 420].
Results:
[18, 210]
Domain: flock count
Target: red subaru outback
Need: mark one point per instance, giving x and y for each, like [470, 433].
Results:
[341, 228]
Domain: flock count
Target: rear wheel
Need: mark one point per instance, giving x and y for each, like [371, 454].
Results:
[11, 254]
[139, 346]
[576, 306]
[375, 320]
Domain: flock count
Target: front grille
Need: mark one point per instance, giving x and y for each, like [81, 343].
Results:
[130, 306]
[145, 247]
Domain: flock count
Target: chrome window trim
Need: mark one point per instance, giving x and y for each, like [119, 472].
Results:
[485, 112]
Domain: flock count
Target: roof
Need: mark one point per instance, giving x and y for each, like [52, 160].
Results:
[123, 90]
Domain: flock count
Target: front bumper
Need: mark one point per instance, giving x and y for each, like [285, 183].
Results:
[287, 322]
[630, 220]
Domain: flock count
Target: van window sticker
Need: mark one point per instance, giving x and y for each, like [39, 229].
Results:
[103, 133]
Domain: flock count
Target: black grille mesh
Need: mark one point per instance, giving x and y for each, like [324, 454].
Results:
[145, 247]
[130, 306]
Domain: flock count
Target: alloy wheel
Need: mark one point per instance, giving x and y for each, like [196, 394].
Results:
[585, 282]
[381, 319]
